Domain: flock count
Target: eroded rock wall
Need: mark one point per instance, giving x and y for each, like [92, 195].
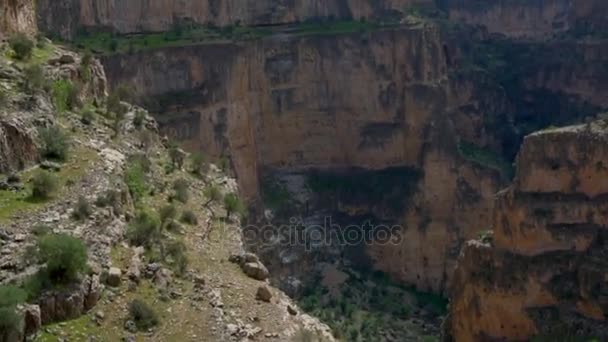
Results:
[545, 272]
[17, 16]
[66, 17]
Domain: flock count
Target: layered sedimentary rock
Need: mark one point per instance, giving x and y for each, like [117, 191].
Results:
[535, 19]
[66, 17]
[17, 16]
[545, 273]
[374, 101]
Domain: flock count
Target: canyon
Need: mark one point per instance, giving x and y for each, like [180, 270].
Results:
[412, 114]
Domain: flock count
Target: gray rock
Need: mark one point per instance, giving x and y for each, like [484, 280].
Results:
[130, 326]
[50, 166]
[292, 310]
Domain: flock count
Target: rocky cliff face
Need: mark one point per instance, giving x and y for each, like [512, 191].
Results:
[17, 16]
[535, 19]
[67, 17]
[371, 101]
[544, 275]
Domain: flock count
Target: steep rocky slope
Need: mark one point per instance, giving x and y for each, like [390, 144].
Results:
[115, 169]
[543, 273]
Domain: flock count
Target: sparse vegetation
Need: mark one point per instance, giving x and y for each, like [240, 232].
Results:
[87, 115]
[180, 188]
[111, 198]
[44, 185]
[22, 46]
[143, 315]
[55, 143]
[85, 66]
[82, 209]
[189, 217]
[486, 158]
[41, 230]
[65, 257]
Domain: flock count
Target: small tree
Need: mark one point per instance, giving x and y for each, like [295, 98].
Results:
[233, 204]
[85, 65]
[144, 230]
[135, 178]
[142, 314]
[44, 185]
[87, 115]
[22, 46]
[180, 187]
[65, 95]
[213, 194]
[55, 143]
[176, 250]
[65, 257]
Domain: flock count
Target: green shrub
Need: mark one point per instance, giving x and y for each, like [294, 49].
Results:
[65, 95]
[55, 143]
[173, 226]
[114, 101]
[10, 322]
[176, 250]
[85, 65]
[197, 163]
[142, 314]
[135, 178]
[11, 295]
[142, 160]
[180, 187]
[213, 194]
[144, 230]
[65, 257]
[22, 46]
[44, 185]
[168, 212]
[82, 209]
[34, 78]
[189, 217]
[139, 119]
[87, 115]
[233, 204]
[41, 229]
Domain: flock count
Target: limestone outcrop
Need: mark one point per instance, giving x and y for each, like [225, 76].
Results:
[544, 274]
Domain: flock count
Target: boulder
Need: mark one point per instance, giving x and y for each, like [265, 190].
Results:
[255, 270]
[264, 293]
[114, 275]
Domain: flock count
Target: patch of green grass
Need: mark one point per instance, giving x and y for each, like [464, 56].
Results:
[12, 203]
[486, 158]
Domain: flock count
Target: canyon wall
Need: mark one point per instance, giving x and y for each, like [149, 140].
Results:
[374, 101]
[545, 272]
[534, 19]
[67, 17]
[17, 16]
